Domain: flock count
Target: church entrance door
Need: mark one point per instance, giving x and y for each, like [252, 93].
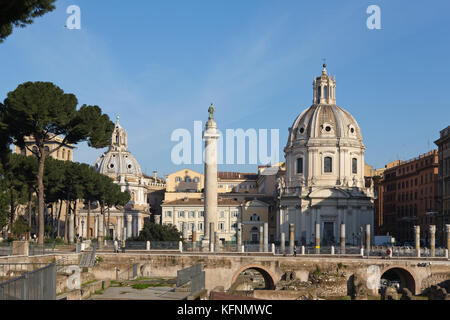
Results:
[328, 233]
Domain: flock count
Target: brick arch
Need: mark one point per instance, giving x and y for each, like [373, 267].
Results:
[407, 277]
[269, 277]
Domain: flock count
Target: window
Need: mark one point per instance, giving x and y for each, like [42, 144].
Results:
[196, 179]
[181, 214]
[191, 226]
[300, 165]
[222, 214]
[327, 165]
[200, 226]
[354, 166]
[177, 179]
[254, 217]
[188, 179]
[191, 214]
[221, 226]
[169, 214]
[235, 214]
[201, 214]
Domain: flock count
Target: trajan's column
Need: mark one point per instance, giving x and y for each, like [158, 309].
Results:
[210, 136]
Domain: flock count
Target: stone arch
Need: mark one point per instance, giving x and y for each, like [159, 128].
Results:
[269, 278]
[407, 277]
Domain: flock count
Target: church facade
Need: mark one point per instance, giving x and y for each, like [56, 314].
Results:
[121, 166]
[324, 182]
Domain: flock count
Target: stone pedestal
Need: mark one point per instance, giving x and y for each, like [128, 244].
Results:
[20, 248]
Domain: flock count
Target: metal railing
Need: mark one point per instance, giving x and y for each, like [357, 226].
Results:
[164, 245]
[41, 249]
[34, 285]
[5, 248]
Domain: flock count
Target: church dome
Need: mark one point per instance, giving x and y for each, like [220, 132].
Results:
[118, 161]
[324, 119]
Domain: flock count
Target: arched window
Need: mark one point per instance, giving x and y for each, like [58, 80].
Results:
[328, 165]
[299, 165]
[325, 92]
[319, 92]
[188, 179]
[68, 154]
[354, 166]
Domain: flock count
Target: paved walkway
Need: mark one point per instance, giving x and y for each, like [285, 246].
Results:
[129, 293]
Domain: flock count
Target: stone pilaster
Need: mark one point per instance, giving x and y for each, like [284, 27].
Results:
[432, 230]
[343, 238]
[129, 226]
[291, 238]
[71, 228]
[266, 237]
[368, 239]
[447, 229]
[317, 238]
[417, 239]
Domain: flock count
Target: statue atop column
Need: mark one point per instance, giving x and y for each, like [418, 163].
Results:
[211, 111]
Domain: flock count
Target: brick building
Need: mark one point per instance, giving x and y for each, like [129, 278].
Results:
[443, 144]
[410, 196]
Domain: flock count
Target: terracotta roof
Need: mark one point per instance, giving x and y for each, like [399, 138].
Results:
[237, 175]
[201, 202]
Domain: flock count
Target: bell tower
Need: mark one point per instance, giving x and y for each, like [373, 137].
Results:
[324, 88]
[119, 137]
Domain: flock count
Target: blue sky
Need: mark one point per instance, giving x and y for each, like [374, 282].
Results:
[159, 64]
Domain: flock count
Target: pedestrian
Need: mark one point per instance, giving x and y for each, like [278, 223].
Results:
[116, 247]
[123, 246]
[295, 251]
[388, 252]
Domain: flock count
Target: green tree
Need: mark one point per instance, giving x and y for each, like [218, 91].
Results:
[20, 227]
[3, 206]
[43, 111]
[158, 232]
[19, 13]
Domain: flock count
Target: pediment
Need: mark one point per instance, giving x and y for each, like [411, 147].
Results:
[326, 193]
